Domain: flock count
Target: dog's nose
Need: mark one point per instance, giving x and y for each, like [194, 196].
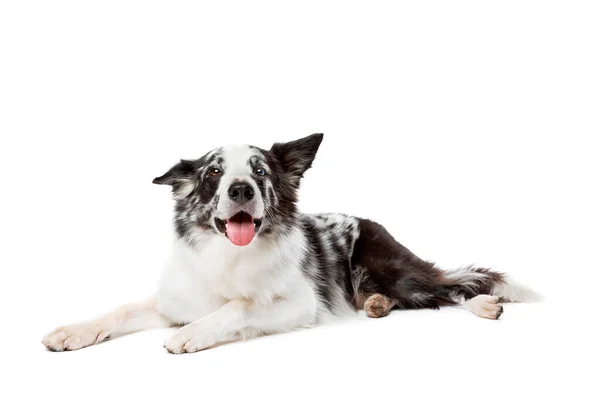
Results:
[241, 192]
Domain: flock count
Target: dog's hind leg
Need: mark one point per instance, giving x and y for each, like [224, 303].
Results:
[125, 319]
[390, 275]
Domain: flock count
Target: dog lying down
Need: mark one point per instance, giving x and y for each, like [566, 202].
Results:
[246, 262]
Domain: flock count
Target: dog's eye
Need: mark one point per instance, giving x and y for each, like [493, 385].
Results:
[259, 171]
[215, 172]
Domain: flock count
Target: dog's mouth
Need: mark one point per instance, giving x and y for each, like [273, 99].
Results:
[240, 228]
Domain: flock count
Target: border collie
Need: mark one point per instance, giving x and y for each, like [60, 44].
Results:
[246, 262]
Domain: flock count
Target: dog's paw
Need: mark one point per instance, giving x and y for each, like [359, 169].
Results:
[485, 306]
[74, 337]
[189, 339]
[378, 305]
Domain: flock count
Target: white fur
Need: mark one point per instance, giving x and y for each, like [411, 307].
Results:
[466, 277]
[187, 186]
[225, 290]
[514, 291]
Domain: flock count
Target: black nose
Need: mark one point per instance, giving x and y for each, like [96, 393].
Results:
[241, 192]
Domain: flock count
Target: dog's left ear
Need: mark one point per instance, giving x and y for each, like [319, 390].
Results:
[180, 177]
[297, 156]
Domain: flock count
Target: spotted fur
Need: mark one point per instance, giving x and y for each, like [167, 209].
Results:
[297, 270]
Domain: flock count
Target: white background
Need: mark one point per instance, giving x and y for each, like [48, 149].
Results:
[469, 129]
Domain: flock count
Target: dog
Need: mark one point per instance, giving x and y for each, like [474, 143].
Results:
[245, 262]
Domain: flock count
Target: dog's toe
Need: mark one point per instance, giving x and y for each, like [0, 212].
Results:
[189, 339]
[73, 337]
[485, 306]
[499, 313]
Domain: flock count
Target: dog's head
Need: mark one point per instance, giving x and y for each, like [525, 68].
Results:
[241, 192]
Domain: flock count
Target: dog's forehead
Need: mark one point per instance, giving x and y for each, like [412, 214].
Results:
[240, 158]
[212, 158]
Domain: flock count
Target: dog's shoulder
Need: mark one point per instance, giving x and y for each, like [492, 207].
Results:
[334, 226]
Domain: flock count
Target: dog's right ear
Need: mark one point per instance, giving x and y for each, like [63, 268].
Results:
[180, 177]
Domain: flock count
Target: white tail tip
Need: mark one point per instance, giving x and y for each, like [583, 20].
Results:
[513, 291]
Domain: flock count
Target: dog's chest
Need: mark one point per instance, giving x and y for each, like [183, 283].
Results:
[198, 282]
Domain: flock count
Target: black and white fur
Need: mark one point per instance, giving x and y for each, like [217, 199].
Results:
[298, 270]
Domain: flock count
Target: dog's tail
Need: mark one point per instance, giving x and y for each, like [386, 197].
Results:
[471, 281]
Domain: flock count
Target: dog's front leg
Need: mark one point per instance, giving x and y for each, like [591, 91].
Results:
[125, 319]
[280, 315]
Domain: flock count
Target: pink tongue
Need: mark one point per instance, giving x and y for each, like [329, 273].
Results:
[240, 233]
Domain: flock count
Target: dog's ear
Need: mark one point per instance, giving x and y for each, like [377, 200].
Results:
[297, 156]
[180, 177]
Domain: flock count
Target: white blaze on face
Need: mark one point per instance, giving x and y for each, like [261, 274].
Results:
[237, 168]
